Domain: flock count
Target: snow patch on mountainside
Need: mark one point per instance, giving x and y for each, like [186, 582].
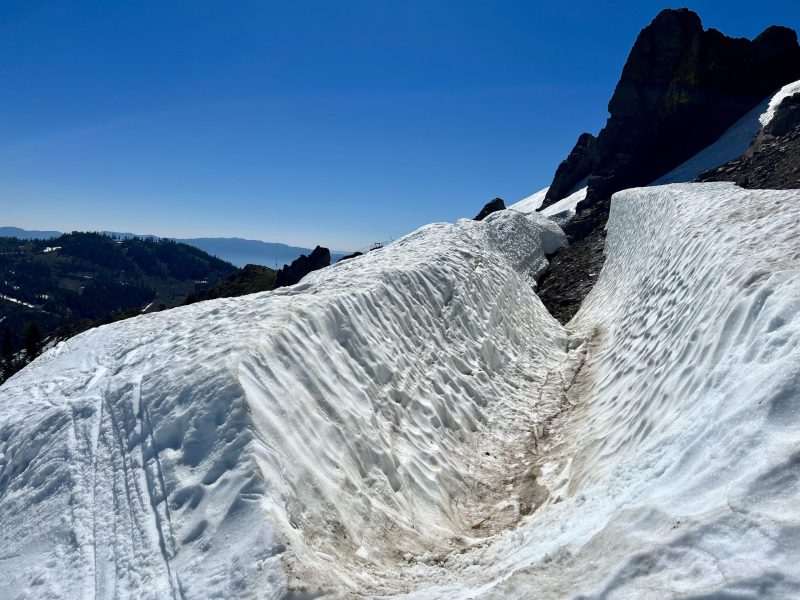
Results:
[559, 212]
[733, 143]
[563, 210]
[532, 203]
[790, 89]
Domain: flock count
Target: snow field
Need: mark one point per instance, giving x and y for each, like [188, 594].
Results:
[531, 203]
[559, 212]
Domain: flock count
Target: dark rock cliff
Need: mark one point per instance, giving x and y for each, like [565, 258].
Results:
[573, 170]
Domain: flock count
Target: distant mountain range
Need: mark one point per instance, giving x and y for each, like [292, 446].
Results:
[237, 251]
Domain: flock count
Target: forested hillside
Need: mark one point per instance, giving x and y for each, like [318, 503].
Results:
[72, 282]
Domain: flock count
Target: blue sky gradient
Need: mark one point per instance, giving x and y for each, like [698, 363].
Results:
[339, 122]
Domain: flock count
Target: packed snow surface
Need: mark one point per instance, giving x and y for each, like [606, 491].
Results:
[412, 422]
[531, 203]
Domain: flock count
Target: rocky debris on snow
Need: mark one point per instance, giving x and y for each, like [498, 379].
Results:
[247, 280]
[290, 274]
[573, 170]
[773, 160]
[490, 207]
[681, 88]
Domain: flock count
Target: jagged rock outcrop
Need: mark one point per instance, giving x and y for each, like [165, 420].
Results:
[773, 160]
[681, 88]
[490, 207]
[573, 170]
[247, 280]
[290, 274]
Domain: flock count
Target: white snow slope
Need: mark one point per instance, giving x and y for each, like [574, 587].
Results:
[560, 212]
[413, 422]
[790, 89]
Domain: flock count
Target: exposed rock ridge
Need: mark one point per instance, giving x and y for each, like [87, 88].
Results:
[290, 274]
[247, 280]
[681, 88]
[573, 170]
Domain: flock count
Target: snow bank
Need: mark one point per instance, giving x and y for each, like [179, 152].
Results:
[689, 442]
[308, 438]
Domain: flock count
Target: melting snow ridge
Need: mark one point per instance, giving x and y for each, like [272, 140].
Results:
[301, 439]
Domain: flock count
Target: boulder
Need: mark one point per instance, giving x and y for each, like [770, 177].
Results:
[490, 207]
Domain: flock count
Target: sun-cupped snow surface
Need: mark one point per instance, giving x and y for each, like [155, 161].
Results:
[790, 89]
[310, 439]
[678, 469]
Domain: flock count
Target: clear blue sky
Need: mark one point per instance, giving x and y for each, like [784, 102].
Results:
[338, 122]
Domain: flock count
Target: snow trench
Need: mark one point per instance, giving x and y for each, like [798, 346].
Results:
[413, 422]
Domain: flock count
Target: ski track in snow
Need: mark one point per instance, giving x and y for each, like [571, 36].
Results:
[412, 422]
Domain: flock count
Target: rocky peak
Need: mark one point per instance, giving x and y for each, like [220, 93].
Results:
[680, 89]
[290, 274]
[573, 171]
